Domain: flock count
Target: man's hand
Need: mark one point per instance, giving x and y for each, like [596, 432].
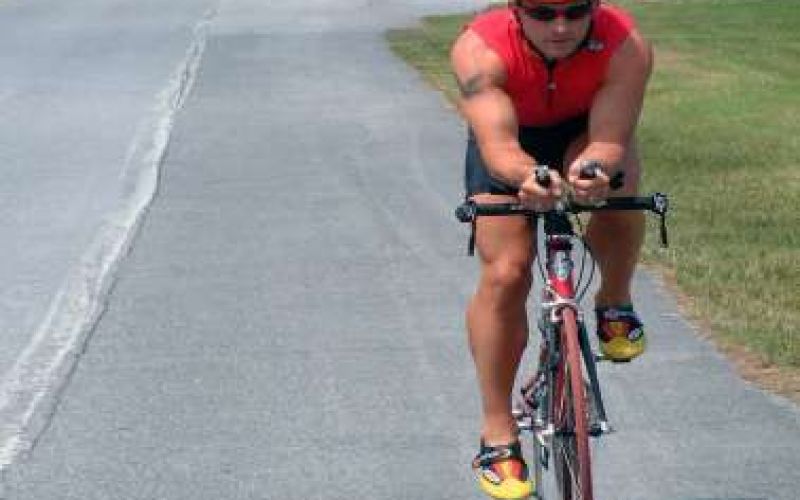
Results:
[587, 190]
[538, 197]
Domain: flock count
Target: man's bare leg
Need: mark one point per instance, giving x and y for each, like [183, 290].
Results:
[496, 317]
[616, 237]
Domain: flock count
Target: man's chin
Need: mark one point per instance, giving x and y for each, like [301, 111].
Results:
[559, 51]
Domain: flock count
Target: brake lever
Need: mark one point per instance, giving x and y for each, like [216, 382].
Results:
[660, 207]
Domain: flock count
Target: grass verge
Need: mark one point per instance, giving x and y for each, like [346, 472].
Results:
[720, 134]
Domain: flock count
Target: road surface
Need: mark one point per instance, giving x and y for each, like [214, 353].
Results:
[283, 317]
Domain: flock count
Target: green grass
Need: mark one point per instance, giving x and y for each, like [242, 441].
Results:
[720, 133]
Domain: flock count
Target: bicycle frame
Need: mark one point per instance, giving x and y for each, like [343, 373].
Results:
[541, 393]
[559, 292]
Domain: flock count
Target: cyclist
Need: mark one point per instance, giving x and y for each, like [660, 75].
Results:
[552, 82]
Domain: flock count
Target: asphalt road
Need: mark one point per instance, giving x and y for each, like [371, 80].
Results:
[288, 321]
[88, 91]
[78, 80]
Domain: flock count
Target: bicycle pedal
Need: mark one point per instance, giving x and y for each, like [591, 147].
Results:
[600, 428]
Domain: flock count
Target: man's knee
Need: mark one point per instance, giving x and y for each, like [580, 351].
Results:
[507, 279]
[616, 224]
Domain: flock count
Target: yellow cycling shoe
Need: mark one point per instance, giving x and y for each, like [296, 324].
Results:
[502, 472]
[621, 333]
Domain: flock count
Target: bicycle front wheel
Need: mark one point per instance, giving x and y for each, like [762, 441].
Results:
[571, 457]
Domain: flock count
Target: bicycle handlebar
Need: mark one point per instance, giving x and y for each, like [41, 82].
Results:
[589, 170]
[657, 203]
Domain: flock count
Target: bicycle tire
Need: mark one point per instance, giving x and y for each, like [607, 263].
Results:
[571, 453]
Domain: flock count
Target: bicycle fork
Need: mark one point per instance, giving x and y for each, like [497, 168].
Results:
[532, 411]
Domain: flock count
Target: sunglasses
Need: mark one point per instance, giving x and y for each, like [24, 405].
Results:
[546, 13]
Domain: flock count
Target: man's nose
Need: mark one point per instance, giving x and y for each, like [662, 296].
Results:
[559, 24]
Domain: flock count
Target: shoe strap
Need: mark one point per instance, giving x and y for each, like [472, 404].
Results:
[618, 314]
[493, 454]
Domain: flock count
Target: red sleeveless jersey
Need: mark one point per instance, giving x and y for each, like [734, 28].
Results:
[545, 95]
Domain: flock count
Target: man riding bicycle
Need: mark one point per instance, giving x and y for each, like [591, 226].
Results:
[556, 83]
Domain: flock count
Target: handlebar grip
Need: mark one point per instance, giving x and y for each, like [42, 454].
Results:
[542, 176]
[589, 169]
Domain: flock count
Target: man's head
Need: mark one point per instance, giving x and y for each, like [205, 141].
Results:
[555, 27]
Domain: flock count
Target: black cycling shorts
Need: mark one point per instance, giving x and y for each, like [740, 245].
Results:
[547, 144]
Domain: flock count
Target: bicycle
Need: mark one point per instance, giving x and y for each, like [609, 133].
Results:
[558, 404]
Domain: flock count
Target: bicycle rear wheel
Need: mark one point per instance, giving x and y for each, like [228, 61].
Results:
[571, 458]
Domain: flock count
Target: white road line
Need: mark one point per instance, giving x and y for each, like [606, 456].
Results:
[30, 389]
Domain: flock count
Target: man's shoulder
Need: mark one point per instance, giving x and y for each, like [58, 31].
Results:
[614, 21]
[495, 29]
[497, 19]
[614, 28]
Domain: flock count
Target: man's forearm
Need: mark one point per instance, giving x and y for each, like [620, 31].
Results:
[507, 162]
[491, 117]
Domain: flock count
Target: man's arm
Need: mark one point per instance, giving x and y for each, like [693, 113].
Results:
[480, 74]
[616, 107]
